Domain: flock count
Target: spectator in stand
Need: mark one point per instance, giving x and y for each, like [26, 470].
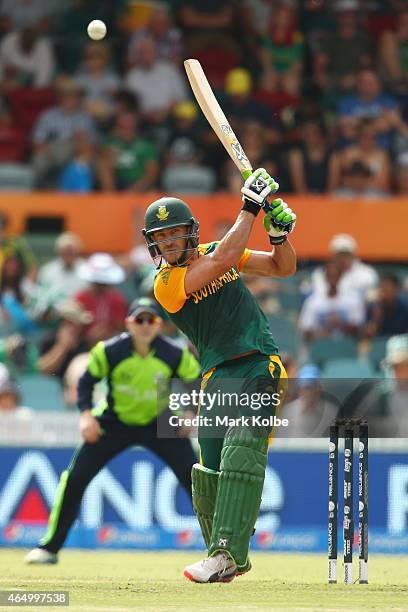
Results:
[184, 173]
[106, 304]
[20, 14]
[368, 102]
[157, 83]
[55, 130]
[282, 50]
[71, 29]
[367, 153]
[332, 313]
[356, 181]
[61, 275]
[58, 348]
[312, 164]
[395, 399]
[398, 125]
[388, 315]
[255, 145]
[402, 174]
[13, 245]
[78, 175]
[184, 124]
[344, 53]
[98, 81]
[356, 276]
[311, 413]
[126, 102]
[15, 291]
[208, 24]
[394, 52]
[240, 107]
[258, 13]
[128, 162]
[167, 37]
[10, 400]
[26, 60]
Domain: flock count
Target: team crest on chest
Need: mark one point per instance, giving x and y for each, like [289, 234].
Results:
[162, 213]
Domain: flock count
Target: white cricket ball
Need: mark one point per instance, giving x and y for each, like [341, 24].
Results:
[96, 29]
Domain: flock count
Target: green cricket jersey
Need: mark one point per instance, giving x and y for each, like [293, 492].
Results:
[222, 319]
[135, 393]
[131, 158]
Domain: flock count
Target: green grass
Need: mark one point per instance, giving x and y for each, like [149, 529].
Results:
[146, 581]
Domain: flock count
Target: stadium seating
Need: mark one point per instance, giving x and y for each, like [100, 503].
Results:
[16, 177]
[27, 104]
[216, 63]
[290, 301]
[285, 333]
[323, 349]
[348, 368]
[377, 351]
[41, 392]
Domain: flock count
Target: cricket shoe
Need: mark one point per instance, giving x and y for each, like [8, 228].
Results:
[244, 569]
[219, 568]
[41, 557]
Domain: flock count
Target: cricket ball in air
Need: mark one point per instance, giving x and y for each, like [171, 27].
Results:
[96, 29]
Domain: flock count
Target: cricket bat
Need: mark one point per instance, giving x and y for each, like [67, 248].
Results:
[215, 117]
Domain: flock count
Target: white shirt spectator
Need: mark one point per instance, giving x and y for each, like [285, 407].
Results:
[318, 308]
[99, 90]
[359, 279]
[158, 87]
[55, 124]
[64, 282]
[303, 422]
[24, 13]
[38, 64]
[169, 46]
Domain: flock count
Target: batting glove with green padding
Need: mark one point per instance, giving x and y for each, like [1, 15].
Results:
[279, 221]
[257, 187]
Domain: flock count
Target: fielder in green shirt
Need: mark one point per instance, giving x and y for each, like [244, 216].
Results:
[135, 366]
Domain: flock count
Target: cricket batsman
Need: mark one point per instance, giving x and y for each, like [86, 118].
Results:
[199, 285]
[133, 364]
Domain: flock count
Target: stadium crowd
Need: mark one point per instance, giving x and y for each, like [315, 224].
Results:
[333, 320]
[316, 90]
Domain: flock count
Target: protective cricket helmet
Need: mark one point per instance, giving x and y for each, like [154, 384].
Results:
[165, 214]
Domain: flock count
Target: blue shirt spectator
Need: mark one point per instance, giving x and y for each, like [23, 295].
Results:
[368, 102]
[77, 178]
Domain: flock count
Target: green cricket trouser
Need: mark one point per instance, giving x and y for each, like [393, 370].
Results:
[237, 385]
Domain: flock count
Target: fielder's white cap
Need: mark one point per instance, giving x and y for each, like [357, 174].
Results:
[102, 268]
[343, 243]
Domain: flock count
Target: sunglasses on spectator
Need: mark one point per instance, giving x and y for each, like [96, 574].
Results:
[149, 319]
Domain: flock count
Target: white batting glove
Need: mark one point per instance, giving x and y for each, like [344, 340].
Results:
[258, 187]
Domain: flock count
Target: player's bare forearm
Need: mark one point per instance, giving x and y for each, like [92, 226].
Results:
[232, 246]
[280, 262]
[283, 260]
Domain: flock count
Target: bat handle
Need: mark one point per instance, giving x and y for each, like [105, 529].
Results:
[246, 174]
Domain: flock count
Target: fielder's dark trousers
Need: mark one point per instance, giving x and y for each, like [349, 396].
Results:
[89, 459]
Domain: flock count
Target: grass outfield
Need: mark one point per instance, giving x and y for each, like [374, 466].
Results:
[146, 581]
